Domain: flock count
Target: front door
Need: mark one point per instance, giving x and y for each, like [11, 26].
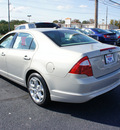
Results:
[4, 48]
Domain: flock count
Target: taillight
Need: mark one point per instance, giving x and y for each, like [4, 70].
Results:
[83, 66]
[118, 36]
[106, 36]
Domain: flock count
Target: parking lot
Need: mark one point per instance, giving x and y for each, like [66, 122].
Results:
[17, 111]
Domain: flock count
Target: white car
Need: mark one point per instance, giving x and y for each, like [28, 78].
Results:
[25, 26]
[37, 25]
[59, 65]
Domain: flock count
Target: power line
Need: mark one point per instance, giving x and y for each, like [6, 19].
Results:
[108, 3]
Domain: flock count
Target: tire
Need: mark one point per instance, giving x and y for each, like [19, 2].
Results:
[38, 89]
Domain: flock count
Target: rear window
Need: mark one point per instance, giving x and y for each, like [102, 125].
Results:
[68, 38]
[101, 31]
[88, 32]
[46, 25]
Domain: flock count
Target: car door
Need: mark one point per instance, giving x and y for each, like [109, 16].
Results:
[20, 56]
[5, 44]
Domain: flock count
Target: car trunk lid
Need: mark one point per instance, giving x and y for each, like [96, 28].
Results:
[104, 58]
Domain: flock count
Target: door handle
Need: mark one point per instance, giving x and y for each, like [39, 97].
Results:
[3, 54]
[26, 57]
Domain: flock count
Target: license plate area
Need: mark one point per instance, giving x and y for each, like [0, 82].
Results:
[109, 58]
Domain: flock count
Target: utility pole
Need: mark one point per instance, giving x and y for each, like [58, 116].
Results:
[96, 13]
[106, 16]
[8, 15]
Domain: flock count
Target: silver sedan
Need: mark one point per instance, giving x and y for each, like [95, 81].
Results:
[59, 65]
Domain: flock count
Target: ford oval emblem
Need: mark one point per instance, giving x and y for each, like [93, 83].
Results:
[110, 50]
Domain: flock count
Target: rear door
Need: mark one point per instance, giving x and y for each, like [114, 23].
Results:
[20, 56]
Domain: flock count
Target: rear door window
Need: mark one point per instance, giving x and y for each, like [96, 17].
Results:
[24, 41]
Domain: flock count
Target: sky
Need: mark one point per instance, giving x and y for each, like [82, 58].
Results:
[49, 10]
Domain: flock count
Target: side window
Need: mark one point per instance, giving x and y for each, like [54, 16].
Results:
[17, 28]
[33, 46]
[6, 41]
[24, 41]
[31, 25]
[22, 27]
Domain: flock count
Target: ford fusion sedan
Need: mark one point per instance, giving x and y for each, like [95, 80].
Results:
[59, 64]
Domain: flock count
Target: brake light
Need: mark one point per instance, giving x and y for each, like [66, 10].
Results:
[118, 36]
[83, 66]
[106, 36]
[110, 48]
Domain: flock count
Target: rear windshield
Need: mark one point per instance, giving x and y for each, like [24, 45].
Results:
[101, 31]
[68, 37]
[45, 25]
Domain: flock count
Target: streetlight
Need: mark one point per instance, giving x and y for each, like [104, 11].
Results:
[29, 17]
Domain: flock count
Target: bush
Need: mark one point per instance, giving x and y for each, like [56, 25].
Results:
[4, 25]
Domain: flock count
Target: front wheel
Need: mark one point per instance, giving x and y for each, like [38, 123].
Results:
[38, 89]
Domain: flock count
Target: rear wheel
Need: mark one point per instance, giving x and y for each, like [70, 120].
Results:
[38, 89]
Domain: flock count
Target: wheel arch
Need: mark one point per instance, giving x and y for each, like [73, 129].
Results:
[43, 81]
[34, 71]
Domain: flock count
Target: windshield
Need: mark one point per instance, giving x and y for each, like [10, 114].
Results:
[68, 37]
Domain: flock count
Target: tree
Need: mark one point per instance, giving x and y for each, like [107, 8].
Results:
[91, 21]
[4, 25]
[112, 22]
[55, 21]
[61, 21]
[3, 22]
[119, 24]
[86, 22]
[116, 23]
[76, 21]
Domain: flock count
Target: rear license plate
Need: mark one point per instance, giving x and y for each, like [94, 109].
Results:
[109, 58]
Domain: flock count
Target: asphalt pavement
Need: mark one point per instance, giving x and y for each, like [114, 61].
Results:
[18, 112]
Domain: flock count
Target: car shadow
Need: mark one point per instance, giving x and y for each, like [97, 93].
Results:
[14, 84]
[104, 109]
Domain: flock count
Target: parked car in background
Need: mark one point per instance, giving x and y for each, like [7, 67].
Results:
[37, 25]
[59, 64]
[104, 36]
[25, 26]
[46, 25]
[117, 32]
[85, 32]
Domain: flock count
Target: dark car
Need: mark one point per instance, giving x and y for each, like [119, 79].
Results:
[117, 32]
[46, 25]
[85, 32]
[89, 33]
[104, 36]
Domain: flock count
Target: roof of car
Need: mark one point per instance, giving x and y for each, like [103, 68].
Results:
[39, 29]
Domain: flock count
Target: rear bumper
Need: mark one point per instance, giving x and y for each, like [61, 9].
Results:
[111, 42]
[78, 90]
